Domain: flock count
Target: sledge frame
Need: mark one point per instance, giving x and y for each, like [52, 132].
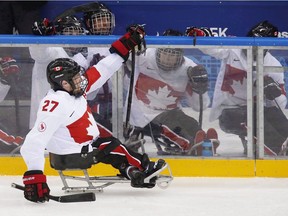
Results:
[87, 183]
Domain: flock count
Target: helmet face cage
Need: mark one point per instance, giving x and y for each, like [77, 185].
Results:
[73, 30]
[79, 83]
[66, 69]
[169, 59]
[102, 22]
[263, 29]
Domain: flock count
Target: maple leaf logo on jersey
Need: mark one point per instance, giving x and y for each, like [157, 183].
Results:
[161, 99]
[83, 129]
[91, 128]
[156, 93]
[41, 127]
[232, 74]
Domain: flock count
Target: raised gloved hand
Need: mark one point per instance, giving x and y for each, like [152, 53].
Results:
[8, 70]
[43, 27]
[36, 188]
[272, 89]
[134, 37]
[141, 48]
[199, 78]
[194, 31]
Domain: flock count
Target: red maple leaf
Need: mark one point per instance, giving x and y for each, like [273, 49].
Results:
[232, 74]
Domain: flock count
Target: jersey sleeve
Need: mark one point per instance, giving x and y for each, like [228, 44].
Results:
[98, 74]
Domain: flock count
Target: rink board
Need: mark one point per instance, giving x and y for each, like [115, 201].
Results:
[183, 167]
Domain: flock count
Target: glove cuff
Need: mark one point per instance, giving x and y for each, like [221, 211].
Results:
[33, 177]
[119, 48]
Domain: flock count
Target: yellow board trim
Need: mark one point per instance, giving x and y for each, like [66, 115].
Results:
[180, 167]
[273, 168]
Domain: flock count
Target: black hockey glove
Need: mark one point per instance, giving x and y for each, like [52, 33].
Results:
[43, 27]
[199, 78]
[272, 89]
[141, 48]
[134, 37]
[9, 70]
[36, 188]
[194, 31]
[95, 59]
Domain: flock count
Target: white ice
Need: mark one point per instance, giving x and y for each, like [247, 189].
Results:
[185, 196]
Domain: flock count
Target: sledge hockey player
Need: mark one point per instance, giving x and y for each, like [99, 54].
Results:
[65, 124]
[164, 77]
[230, 101]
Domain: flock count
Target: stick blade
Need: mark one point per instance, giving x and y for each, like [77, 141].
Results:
[82, 197]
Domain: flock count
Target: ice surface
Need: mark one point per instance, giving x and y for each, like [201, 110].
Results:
[185, 196]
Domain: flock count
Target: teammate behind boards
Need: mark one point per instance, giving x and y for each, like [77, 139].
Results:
[229, 104]
[164, 78]
[99, 20]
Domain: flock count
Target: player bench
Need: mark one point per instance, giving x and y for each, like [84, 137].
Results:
[74, 162]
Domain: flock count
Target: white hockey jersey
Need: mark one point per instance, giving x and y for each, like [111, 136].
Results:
[43, 56]
[64, 123]
[231, 84]
[156, 91]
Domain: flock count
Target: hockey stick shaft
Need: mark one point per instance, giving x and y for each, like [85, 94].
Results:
[158, 146]
[201, 110]
[278, 106]
[83, 197]
[130, 93]
[78, 9]
[16, 100]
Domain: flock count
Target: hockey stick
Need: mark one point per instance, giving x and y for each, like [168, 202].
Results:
[81, 197]
[130, 93]
[16, 100]
[201, 110]
[278, 106]
[78, 9]
[141, 50]
[156, 142]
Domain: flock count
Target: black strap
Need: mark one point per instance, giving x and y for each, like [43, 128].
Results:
[114, 143]
[84, 151]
